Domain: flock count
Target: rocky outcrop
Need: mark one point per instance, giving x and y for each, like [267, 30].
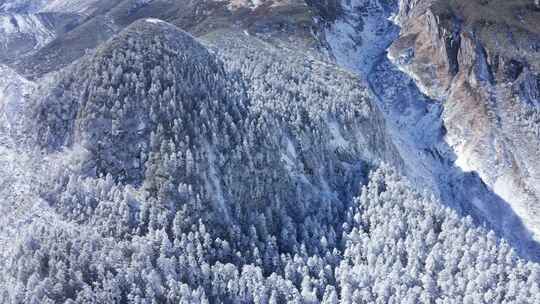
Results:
[484, 69]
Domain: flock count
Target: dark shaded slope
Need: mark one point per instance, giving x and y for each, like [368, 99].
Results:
[146, 78]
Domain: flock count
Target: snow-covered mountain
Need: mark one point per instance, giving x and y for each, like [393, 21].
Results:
[268, 152]
[42, 6]
[23, 34]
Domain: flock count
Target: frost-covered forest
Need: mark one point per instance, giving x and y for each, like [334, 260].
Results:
[396, 246]
[174, 171]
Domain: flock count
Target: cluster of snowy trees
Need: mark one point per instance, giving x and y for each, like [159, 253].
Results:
[234, 176]
[243, 142]
[397, 246]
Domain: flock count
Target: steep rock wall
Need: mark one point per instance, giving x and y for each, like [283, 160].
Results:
[484, 70]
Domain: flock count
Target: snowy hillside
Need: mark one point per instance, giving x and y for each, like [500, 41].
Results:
[41, 6]
[14, 90]
[255, 152]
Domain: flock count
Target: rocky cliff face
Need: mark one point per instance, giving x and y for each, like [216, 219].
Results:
[409, 53]
[480, 60]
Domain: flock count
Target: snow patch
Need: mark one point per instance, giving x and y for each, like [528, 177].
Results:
[289, 156]
[154, 21]
[29, 26]
[70, 6]
[13, 92]
[505, 187]
[358, 39]
[463, 157]
[337, 137]
[234, 5]
[214, 183]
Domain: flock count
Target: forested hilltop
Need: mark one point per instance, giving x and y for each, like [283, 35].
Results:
[164, 169]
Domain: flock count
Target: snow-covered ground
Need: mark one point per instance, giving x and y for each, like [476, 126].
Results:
[13, 91]
[20, 6]
[21, 170]
[69, 6]
[40, 6]
[154, 21]
[29, 30]
[19, 202]
[357, 39]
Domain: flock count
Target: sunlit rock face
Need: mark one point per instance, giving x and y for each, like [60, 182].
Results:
[481, 60]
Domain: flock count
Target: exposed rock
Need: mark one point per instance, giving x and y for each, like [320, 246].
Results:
[484, 70]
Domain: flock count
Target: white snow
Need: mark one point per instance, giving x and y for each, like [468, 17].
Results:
[69, 6]
[289, 156]
[354, 49]
[59, 6]
[214, 182]
[13, 91]
[505, 186]
[30, 6]
[463, 156]
[15, 26]
[154, 21]
[337, 137]
[20, 171]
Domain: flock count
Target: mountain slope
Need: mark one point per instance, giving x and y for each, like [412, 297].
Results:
[276, 20]
[23, 34]
[241, 190]
[156, 110]
[479, 59]
[241, 164]
[359, 40]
